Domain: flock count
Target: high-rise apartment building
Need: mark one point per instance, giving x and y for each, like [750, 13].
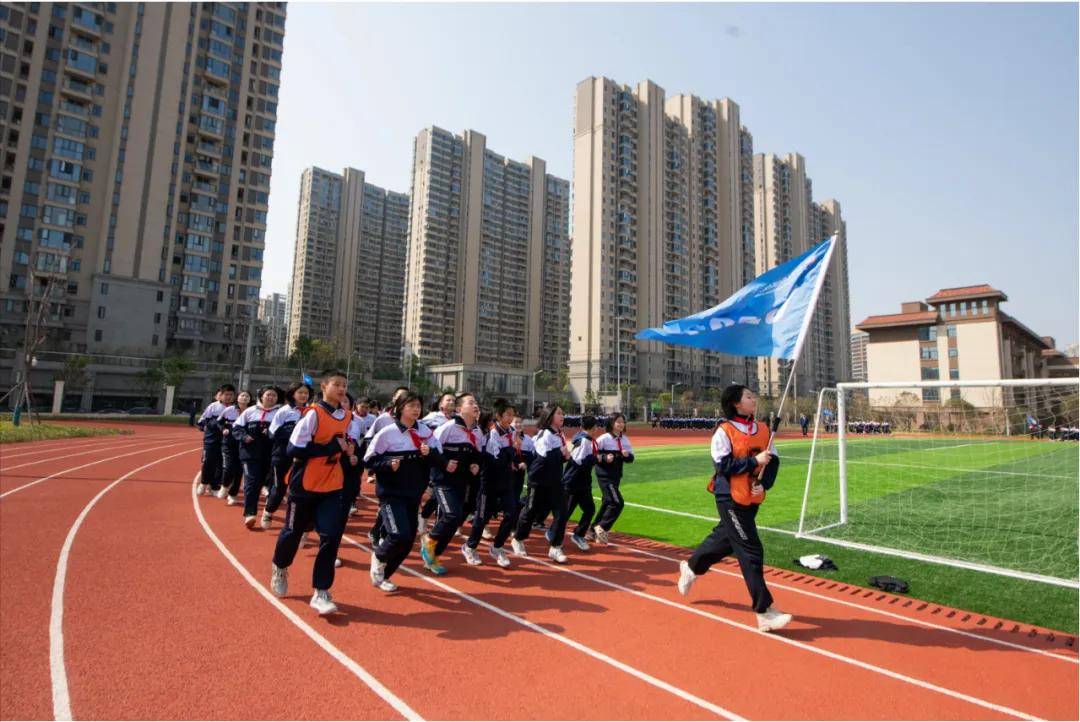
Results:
[787, 222]
[136, 155]
[349, 265]
[663, 227]
[858, 355]
[488, 266]
[272, 316]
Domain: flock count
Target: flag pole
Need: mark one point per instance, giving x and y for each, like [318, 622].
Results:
[799, 343]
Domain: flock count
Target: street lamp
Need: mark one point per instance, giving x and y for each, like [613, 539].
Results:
[672, 407]
[532, 390]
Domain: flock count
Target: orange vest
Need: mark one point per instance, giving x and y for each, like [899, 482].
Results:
[323, 473]
[742, 445]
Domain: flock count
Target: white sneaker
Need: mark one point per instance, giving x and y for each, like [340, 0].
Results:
[421, 525]
[265, 492]
[579, 542]
[519, 548]
[279, 581]
[322, 603]
[222, 492]
[352, 510]
[249, 521]
[486, 534]
[772, 620]
[590, 536]
[337, 562]
[387, 586]
[471, 557]
[500, 555]
[378, 570]
[267, 517]
[200, 489]
[601, 534]
[230, 500]
[686, 578]
[555, 554]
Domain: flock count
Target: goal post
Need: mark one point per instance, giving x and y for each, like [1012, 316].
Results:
[972, 474]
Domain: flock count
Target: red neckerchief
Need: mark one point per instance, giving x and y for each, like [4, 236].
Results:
[618, 442]
[746, 421]
[595, 448]
[472, 438]
[417, 441]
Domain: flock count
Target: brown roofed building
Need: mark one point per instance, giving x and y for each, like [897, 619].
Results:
[958, 334]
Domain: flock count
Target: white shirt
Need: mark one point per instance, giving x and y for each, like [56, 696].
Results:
[498, 440]
[359, 426]
[546, 440]
[607, 442]
[304, 430]
[452, 432]
[435, 419]
[721, 444]
[286, 414]
[393, 439]
[384, 419]
[582, 451]
[212, 411]
[256, 414]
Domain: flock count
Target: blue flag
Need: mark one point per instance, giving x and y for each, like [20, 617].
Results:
[767, 317]
[307, 380]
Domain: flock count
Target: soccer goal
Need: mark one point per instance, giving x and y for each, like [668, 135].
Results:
[974, 474]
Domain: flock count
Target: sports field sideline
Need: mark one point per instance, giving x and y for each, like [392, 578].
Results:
[125, 596]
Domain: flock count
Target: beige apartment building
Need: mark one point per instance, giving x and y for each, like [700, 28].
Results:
[272, 309]
[787, 222]
[958, 334]
[135, 160]
[663, 227]
[348, 280]
[488, 270]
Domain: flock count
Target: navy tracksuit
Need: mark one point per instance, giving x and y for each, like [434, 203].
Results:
[251, 433]
[280, 462]
[609, 475]
[497, 488]
[399, 491]
[211, 458]
[452, 488]
[577, 488]
[545, 482]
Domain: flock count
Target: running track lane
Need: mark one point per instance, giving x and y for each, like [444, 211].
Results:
[447, 658]
[179, 628]
[33, 523]
[684, 649]
[1026, 680]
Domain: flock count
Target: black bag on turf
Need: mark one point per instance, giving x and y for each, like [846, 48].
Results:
[889, 584]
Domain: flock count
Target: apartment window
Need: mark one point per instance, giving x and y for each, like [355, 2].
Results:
[154, 340]
[930, 374]
[985, 306]
[951, 330]
[157, 317]
[954, 375]
[928, 333]
[104, 289]
[931, 394]
[160, 296]
[928, 353]
[101, 312]
[97, 335]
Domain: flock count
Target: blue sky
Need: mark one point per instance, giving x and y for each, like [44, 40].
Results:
[947, 132]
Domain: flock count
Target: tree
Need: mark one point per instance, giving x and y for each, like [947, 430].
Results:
[303, 350]
[149, 381]
[73, 372]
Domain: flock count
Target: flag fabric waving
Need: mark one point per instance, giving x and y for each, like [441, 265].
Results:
[767, 317]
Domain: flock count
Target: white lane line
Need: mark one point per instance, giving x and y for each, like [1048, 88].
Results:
[92, 463]
[57, 671]
[325, 644]
[690, 515]
[74, 443]
[882, 612]
[81, 450]
[792, 642]
[622, 666]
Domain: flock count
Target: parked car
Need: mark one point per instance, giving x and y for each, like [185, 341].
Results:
[143, 410]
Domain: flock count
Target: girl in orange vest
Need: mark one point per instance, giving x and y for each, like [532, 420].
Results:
[745, 462]
[317, 445]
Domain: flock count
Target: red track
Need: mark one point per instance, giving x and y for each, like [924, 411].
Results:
[159, 621]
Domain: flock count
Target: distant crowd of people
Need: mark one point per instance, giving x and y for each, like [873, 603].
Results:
[860, 427]
[1055, 432]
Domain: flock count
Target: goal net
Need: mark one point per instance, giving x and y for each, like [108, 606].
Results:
[981, 475]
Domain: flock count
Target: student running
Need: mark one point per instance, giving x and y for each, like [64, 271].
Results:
[251, 433]
[613, 450]
[210, 423]
[281, 428]
[497, 487]
[545, 480]
[577, 486]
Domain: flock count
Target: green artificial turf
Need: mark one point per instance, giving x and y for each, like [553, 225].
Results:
[10, 434]
[1005, 503]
